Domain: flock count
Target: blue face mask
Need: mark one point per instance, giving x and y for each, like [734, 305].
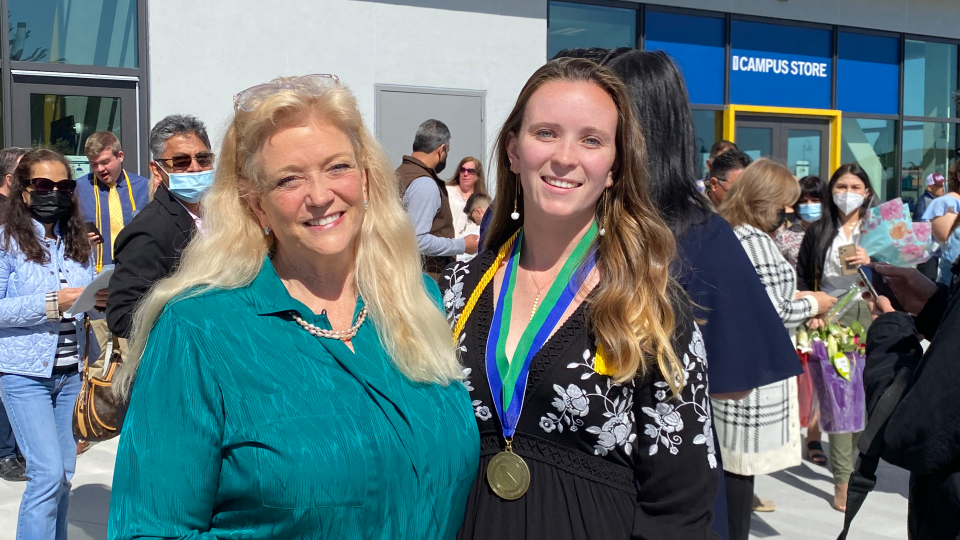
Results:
[190, 187]
[810, 212]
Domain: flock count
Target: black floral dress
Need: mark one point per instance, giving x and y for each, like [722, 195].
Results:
[607, 461]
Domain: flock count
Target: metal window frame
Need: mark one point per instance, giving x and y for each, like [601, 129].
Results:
[140, 75]
[835, 29]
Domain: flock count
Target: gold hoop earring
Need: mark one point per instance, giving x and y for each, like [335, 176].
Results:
[603, 218]
[516, 215]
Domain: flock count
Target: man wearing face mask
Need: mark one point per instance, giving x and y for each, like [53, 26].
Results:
[149, 248]
[425, 198]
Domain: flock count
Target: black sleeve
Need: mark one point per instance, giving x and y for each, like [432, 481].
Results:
[140, 261]
[928, 320]
[923, 433]
[677, 464]
[805, 264]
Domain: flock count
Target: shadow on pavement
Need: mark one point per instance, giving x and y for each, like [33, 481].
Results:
[791, 479]
[761, 529]
[89, 508]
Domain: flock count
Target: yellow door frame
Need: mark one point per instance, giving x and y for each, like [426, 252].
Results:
[834, 117]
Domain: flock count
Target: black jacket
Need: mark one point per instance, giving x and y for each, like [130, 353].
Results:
[923, 433]
[147, 250]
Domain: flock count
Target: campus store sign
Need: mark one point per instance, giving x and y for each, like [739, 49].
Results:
[780, 66]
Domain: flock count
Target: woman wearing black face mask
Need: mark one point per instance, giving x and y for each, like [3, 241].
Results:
[45, 263]
[754, 207]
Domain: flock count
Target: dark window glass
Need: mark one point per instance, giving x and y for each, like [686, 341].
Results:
[868, 73]
[697, 45]
[706, 126]
[65, 122]
[929, 79]
[582, 25]
[779, 65]
[928, 147]
[89, 33]
[871, 143]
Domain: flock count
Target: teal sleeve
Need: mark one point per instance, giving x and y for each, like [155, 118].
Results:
[433, 290]
[168, 463]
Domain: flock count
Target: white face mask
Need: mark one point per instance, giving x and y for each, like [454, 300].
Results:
[848, 202]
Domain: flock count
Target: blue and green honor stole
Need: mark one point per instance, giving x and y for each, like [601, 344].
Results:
[507, 473]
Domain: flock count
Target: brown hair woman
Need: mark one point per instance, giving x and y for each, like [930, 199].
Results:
[586, 371]
[467, 179]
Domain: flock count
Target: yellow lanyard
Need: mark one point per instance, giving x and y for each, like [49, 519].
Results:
[96, 196]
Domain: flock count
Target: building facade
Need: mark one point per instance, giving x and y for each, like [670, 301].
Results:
[814, 83]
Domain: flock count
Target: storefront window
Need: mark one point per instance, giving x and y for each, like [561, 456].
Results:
[868, 73]
[64, 123]
[871, 143]
[706, 127]
[96, 33]
[928, 147]
[780, 65]
[929, 79]
[583, 25]
[696, 44]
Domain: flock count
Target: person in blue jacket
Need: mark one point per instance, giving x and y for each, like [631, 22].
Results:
[45, 263]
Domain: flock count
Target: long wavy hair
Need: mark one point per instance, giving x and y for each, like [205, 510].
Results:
[761, 191]
[630, 311]
[480, 186]
[233, 247]
[18, 228]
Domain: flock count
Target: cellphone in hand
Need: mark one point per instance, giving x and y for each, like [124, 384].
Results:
[91, 227]
[846, 268]
[878, 286]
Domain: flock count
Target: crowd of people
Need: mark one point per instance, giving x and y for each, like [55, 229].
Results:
[316, 344]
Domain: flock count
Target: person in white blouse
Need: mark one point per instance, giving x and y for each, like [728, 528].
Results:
[819, 269]
[467, 180]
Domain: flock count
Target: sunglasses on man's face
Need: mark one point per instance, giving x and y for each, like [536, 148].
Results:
[46, 185]
[467, 170]
[182, 162]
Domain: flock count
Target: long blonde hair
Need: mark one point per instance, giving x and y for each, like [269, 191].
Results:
[231, 250]
[630, 310]
[758, 195]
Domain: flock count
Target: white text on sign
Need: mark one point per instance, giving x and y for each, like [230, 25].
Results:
[782, 67]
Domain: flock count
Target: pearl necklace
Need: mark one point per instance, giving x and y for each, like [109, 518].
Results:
[342, 335]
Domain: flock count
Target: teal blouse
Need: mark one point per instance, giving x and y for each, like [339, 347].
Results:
[243, 425]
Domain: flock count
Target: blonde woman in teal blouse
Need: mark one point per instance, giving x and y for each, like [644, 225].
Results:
[295, 376]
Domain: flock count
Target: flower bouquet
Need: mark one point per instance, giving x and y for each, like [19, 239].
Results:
[890, 236]
[836, 361]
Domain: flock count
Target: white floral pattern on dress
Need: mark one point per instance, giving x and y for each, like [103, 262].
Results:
[667, 422]
[453, 299]
[573, 403]
[480, 410]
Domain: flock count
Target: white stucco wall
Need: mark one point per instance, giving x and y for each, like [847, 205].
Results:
[248, 42]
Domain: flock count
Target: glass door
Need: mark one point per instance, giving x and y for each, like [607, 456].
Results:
[50, 113]
[800, 144]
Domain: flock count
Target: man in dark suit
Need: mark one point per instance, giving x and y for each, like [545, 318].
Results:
[149, 247]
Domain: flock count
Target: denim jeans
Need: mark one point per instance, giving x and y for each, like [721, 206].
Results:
[41, 413]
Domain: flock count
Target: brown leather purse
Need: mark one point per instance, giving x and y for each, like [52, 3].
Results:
[98, 414]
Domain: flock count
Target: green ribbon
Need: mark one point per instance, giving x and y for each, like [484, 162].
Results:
[510, 371]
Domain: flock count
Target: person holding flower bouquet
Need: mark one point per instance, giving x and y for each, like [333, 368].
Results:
[819, 268]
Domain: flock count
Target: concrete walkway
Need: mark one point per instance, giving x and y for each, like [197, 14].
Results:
[802, 495]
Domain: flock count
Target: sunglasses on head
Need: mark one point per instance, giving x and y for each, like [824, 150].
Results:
[181, 162]
[46, 185]
[468, 170]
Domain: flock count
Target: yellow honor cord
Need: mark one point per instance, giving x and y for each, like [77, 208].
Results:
[96, 195]
[484, 281]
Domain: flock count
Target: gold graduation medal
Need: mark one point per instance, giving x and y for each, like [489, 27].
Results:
[508, 474]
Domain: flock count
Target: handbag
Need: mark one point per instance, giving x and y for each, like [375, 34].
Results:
[98, 413]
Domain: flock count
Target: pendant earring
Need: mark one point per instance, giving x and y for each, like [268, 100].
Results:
[364, 205]
[266, 231]
[516, 215]
[603, 218]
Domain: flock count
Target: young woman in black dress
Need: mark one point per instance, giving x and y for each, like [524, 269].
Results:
[587, 371]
